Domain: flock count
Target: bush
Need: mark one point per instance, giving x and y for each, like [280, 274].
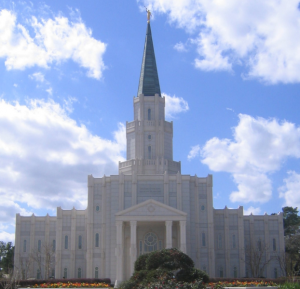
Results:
[157, 270]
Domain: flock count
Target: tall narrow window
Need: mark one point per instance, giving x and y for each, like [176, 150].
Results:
[38, 274]
[233, 242]
[235, 272]
[275, 273]
[79, 273]
[203, 240]
[221, 272]
[65, 273]
[141, 247]
[96, 273]
[24, 246]
[97, 240]
[66, 242]
[53, 245]
[149, 114]
[219, 241]
[204, 269]
[274, 244]
[80, 242]
[39, 245]
[149, 152]
[259, 245]
[53, 273]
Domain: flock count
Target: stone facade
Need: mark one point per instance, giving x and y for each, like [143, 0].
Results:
[148, 206]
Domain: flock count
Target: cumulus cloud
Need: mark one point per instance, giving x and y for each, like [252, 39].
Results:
[194, 152]
[45, 157]
[180, 47]
[37, 76]
[290, 190]
[252, 210]
[7, 237]
[54, 41]
[174, 105]
[263, 35]
[258, 148]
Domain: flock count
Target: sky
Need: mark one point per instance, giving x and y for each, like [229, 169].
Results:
[229, 70]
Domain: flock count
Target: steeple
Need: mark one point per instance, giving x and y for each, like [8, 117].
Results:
[149, 83]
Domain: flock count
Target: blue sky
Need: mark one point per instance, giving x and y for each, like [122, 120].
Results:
[230, 72]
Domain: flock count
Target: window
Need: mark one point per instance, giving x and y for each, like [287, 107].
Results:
[24, 246]
[203, 240]
[149, 114]
[80, 242]
[259, 245]
[160, 245]
[234, 272]
[274, 244]
[275, 273]
[96, 273]
[39, 245]
[149, 152]
[53, 273]
[150, 242]
[38, 274]
[97, 240]
[204, 269]
[79, 273]
[53, 245]
[141, 247]
[219, 241]
[202, 207]
[66, 242]
[221, 272]
[65, 273]
[233, 242]
[97, 208]
[149, 136]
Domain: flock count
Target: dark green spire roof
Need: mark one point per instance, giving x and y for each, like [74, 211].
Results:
[149, 83]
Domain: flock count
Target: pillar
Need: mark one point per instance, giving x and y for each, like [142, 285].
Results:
[182, 225]
[168, 234]
[133, 248]
[119, 254]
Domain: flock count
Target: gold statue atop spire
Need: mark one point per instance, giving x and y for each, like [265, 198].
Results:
[149, 14]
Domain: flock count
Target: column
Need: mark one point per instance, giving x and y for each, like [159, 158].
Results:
[73, 244]
[182, 225]
[119, 253]
[133, 249]
[168, 234]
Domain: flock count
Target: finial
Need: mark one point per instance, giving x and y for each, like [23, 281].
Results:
[148, 14]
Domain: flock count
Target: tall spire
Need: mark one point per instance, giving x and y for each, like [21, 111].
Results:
[149, 83]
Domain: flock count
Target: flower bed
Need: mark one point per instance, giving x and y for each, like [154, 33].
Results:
[71, 285]
[224, 284]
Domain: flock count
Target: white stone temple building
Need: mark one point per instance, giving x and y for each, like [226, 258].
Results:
[148, 206]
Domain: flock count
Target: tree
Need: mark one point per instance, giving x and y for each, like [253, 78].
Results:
[256, 257]
[291, 220]
[7, 256]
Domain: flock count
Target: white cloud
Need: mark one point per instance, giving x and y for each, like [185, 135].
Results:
[263, 35]
[291, 190]
[54, 41]
[180, 47]
[15, 85]
[37, 76]
[194, 152]
[45, 157]
[252, 210]
[258, 148]
[174, 105]
[7, 237]
[49, 90]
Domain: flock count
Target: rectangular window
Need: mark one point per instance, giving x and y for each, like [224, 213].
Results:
[274, 244]
[66, 242]
[141, 247]
[53, 245]
[79, 273]
[233, 242]
[96, 273]
[24, 246]
[65, 273]
[80, 242]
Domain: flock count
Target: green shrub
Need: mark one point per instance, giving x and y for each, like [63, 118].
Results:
[192, 274]
[140, 263]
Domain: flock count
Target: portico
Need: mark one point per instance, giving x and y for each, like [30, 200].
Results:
[148, 212]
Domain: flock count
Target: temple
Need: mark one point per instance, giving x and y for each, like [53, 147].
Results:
[148, 206]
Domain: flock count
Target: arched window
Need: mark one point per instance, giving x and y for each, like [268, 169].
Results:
[96, 272]
[24, 246]
[66, 242]
[219, 241]
[53, 273]
[97, 240]
[53, 245]
[234, 272]
[38, 274]
[149, 113]
[79, 273]
[203, 240]
[274, 244]
[233, 242]
[39, 245]
[275, 273]
[150, 242]
[221, 271]
[149, 152]
[80, 242]
[65, 273]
